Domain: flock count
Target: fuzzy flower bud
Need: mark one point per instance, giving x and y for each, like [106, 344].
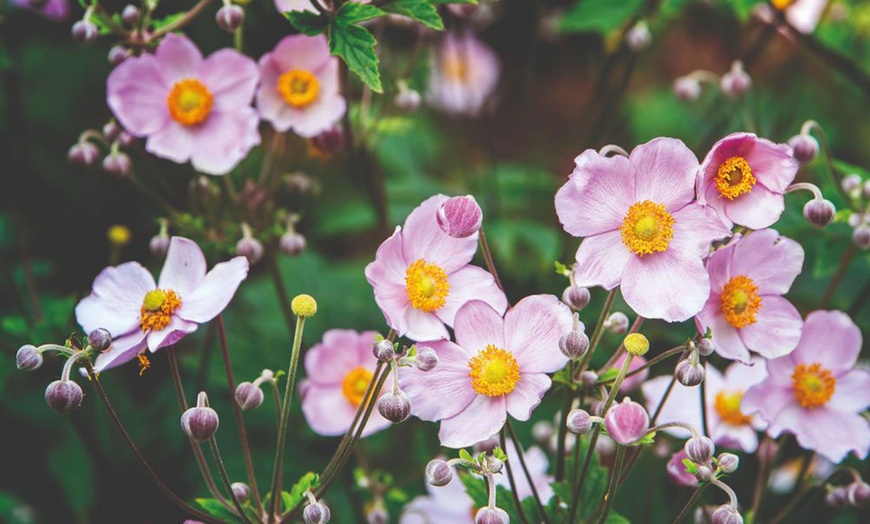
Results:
[638, 37]
[736, 82]
[703, 473]
[248, 396]
[850, 182]
[636, 344]
[28, 358]
[250, 248]
[689, 373]
[589, 379]
[861, 236]
[117, 163]
[427, 359]
[330, 141]
[63, 396]
[726, 514]
[460, 217]
[838, 497]
[317, 513]
[377, 515]
[230, 17]
[626, 422]
[699, 449]
[687, 88]
[578, 421]
[819, 213]
[493, 464]
[804, 147]
[83, 154]
[159, 245]
[200, 422]
[542, 431]
[617, 323]
[407, 99]
[705, 347]
[858, 494]
[438, 473]
[84, 31]
[577, 297]
[241, 491]
[100, 339]
[111, 130]
[395, 407]
[491, 515]
[304, 306]
[130, 14]
[728, 462]
[574, 344]
[292, 243]
[117, 54]
[384, 351]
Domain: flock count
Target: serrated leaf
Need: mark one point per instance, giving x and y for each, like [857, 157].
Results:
[352, 13]
[308, 481]
[307, 23]
[422, 11]
[599, 16]
[356, 46]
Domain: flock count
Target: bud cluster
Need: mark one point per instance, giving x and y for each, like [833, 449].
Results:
[86, 153]
[734, 84]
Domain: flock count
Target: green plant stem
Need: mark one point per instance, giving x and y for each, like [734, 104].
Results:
[559, 474]
[613, 485]
[845, 260]
[487, 256]
[599, 330]
[226, 478]
[705, 427]
[829, 165]
[181, 21]
[658, 358]
[690, 503]
[521, 457]
[511, 482]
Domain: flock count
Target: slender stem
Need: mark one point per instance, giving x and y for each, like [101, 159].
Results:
[690, 503]
[599, 330]
[845, 260]
[799, 490]
[760, 482]
[520, 456]
[511, 482]
[277, 395]
[226, 478]
[704, 424]
[487, 255]
[612, 487]
[181, 21]
[829, 163]
[559, 474]
[665, 355]
[831, 57]
[664, 399]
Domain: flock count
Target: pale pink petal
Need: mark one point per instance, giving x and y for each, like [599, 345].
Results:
[179, 58]
[601, 260]
[294, 5]
[386, 274]
[532, 330]
[423, 325]
[394, 303]
[711, 198]
[695, 227]
[527, 394]
[471, 283]
[172, 142]
[116, 299]
[177, 329]
[136, 92]
[424, 239]
[448, 380]
[852, 391]
[781, 369]
[777, 329]
[231, 77]
[184, 268]
[666, 171]
[741, 376]
[481, 419]
[757, 209]
[833, 434]
[726, 338]
[666, 286]
[330, 414]
[122, 350]
[772, 164]
[719, 267]
[743, 437]
[322, 115]
[214, 292]
[831, 339]
[804, 15]
[328, 362]
[769, 401]
[682, 405]
[770, 260]
[224, 139]
[328, 79]
[307, 53]
[364, 342]
[478, 325]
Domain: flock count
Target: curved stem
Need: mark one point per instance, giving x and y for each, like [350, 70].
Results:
[487, 255]
[613, 485]
[705, 426]
[658, 358]
[845, 260]
[519, 451]
[611, 148]
[806, 186]
[829, 162]
[67, 366]
[727, 489]
[180, 21]
[226, 478]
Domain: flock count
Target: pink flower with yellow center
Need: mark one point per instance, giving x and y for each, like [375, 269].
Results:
[299, 87]
[421, 276]
[464, 73]
[190, 108]
[744, 177]
[643, 231]
[746, 311]
[338, 371]
[497, 366]
[815, 392]
[143, 315]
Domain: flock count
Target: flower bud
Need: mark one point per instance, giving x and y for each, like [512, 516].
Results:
[292, 243]
[861, 236]
[736, 82]
[330, 141]
[838, 497]
[703, 473]
[384, 351]
[117, 54]
[438, 473]
[578, 421]
[689, 373]
[241, 491]
[83, 154]
[855, 219]
[117, 164]
[317, 513]
[460, 217]
[819, 213]
[626, 422]
[111, 130]
[804, 147]
[728, 462]
[726, 514]
[427, 359]
[542, 431]
[491, 515]
[304, 306]
[248, 396]
[28, 358]
[577, 297]
[250, 248]
[130, 14]
[705, 347]
[84, 31]
[699, 449]
[687, 88]
[407, 99]
[230, 17]
[858, 494]
[377, 515]
[638, 37]
[574, 344]
[636, 344]
[850, 182]
[589, 379]
[200, 422]
[159, 245]
[63, 396]
[100, 339]
[617, 323]
[866, 189]
[126, 139]
[395, 407]
[493, 464]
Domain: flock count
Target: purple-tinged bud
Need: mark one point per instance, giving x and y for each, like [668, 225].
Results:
[28, 358]
[589, 379]
[377, 515]
[130, 14]
[117, 54]
[250, 248]
[577, 297]
[200, 422]
[705, 347]
[574, 344]
[126, 139]
[542, 431]
[330, 141]
[804, 147]
[427, 359]
[317, 513]
[699, 449]
[460, 217]
[626, 422]
[597, 408]
[491, 515]
[837, 497]
[617, 323]
[111, 130]
[638, 37]
[858, 494]
[117, 164]
[292, 243]
[736, 82]
[861, 236]
[159, 245]
[687, 88]
[438, 473]
[493, 464]
[728, 462]
[84, 31]
[248, 396]
[83, 154]
[384, 351]
[689, 373]
[407, 99]
[395, 407]
[578, 421]
[100, 339]
[855, 219]
[241, 491]
[850, 182]
[819, 213]
[726, 514]
[63, 396]
[703, 473]
[230, 17]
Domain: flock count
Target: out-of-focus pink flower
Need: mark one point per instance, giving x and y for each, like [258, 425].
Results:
[803, 15]
[744, 177]
[190, 108]
[497, 366]
[141, 314]
[55, 10]
[294, 5]
[642, 228]
[299, 86]
[676, 470]
[746, 310]
[464, 73]
[815, 393]
[338, 370]
[421, 276]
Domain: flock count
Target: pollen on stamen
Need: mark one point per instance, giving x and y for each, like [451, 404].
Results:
[647, 228]
[740, 301]
[813, 385]
[157, 308]
[427, 286]
[144, 362]
[494, 372]
[734, 177]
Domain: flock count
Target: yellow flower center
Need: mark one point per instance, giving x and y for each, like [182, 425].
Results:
[740, 301]
[813, 385]
[647, 228]
[728, 407]
[427, 285]
[494, 372]
[734, 178]
[298, 87]
[454, 67]
[189, 102]
[157, 309]
[782, 5]
[354, 385]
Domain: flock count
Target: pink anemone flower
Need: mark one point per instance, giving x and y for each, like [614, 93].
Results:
[339, 370]
[643, 231]
[142, 315]
[421, 276]
[299, 87]
[744, 177]
[190, 108]
[815, 393]
[55, 10]
[463, 75]
[497, 366]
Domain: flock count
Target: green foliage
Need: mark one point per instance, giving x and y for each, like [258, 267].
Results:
[356, 46]
[422, 11]
[307, 482]
[598, 16]
[214, 508]
[307, 23]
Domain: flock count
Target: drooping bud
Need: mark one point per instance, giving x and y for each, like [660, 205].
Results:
[230, 17]
[703, 473]
[304, 306]
[858, 494]
[699, 449]
[427, 359]
[589, 379]
[384, 351]
[574, 344]
[330, 141]
[126, 139]
[705, 347]
[248, 396]
[130, 14]
[460, 217]
[395, 407]
[578, 421]
[63, 396]
[100, 339]
[850, 182]
[861, 236]
[866, 189]
[292, 243]
[728, 462]
[117, 54]
[200, 422]
[819, 213]
[83, 154]
[726, 514]
[117, 163]
[241, 491]
[407, 99]
[636, 344]
[111, 130]
[493, 464]
[689, 373]
[736, 82]
[491, 515]
[84, 31]
[577, 297]
[617, 323]
[837, 497]
[159, 245]
[28, 358]
[317, 513]
[626, 422]
[855, 219]
[438, 473]
[804, 147]
[250, 248]
[687, 88]
[638, 37]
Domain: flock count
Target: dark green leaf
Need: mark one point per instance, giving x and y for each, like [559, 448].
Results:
[356, 46]
[307, 481]
[352, 13]
[214, 508]
[422, 11]
[616, 518]
[476, 488]
[599, 16]
[307, 23]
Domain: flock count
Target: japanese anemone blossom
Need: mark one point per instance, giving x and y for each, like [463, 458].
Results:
[190, 108]
[642, 228]
[497, 366]
[464, 73]
[339, 369]
[746, 310]
[815, 393]
[744, 177]
[729, 425]
[56, 10]
[143, 315]
[421, 276]
[299, 87]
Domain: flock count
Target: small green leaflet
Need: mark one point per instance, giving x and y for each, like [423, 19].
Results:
[356, 46]
[422, 11]
[308, 23]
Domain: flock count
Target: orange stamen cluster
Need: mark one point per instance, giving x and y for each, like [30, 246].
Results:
[189, 102]
[813, 385]
[740, 301]
[354, 385]
[298, 87]
[157, 309]
[494, 372]
[728, 407]
[734, 177]
[427, 285]
[144, 363]
[647, 228]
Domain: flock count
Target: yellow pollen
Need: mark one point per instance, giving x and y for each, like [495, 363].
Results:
[427, 285]
[728, 407]
[636, 344]
[494, 372]
[298, 87]
[734, 177]
[189, 102]
[303, 306]
[454, 67]
[354, 385]
[740, 301]
[782, 5]
[813, 385]
[157, 309]
[647, 228]
[144, 363]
